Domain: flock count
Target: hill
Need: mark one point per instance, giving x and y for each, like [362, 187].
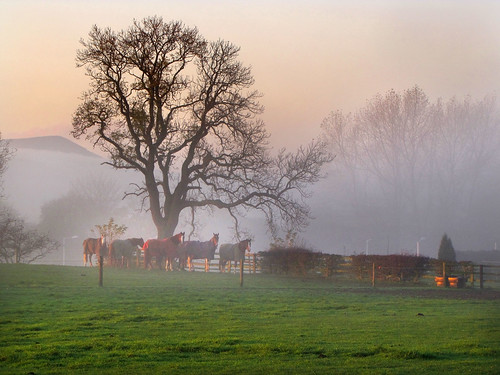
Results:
[43, 169]
[50, 143]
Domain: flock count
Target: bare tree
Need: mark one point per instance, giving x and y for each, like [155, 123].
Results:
[91, 199]
[385, 142]
[19, 244]
[111, 230]
[466, 141]
[181, 111]
[424, 158]
[5, 155]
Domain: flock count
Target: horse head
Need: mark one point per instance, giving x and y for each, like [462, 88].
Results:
[215, 239]
[246, 244]
[178, 238]
[103, 247]
[137, 241]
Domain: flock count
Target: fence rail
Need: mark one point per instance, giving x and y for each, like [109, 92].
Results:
[345, 267]
[477, 276]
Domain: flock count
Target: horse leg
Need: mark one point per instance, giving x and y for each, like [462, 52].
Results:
[222, 265]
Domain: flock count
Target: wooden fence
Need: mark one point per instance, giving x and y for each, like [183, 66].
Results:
[476, 276]
[252, 264]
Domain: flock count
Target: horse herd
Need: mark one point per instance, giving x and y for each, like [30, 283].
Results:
[165, 251]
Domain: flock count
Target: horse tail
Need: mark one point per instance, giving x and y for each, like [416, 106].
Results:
[84, 252]
[146, 253]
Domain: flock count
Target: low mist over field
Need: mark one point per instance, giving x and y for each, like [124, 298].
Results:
[46, 169]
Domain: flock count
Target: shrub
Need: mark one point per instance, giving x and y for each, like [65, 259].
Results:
[330, 264]
[295, 261]
[390, 267]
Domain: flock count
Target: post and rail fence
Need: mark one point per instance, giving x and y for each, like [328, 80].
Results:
[336, 267]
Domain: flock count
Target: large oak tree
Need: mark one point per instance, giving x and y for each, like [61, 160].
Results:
[181, 110]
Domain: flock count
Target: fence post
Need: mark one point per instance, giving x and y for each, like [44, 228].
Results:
[254, 256]
[481, 278]
[373, 274]
[100, 270]
[444, 275]
[242, 265]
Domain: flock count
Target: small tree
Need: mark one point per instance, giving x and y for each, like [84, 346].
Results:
[111, 230]
[446, 252]
[19, 244]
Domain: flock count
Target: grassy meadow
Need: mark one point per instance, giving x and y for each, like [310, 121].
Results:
[57, 320]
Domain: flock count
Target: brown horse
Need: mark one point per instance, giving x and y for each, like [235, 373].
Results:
[121, 251]
[233, 252]
[161, 250]
[93, 246]
[200, 250]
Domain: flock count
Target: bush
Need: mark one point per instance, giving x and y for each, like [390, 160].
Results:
[294, 261]
[390, 267]
[330, 264]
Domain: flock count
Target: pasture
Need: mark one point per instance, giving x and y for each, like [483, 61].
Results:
[56, 320]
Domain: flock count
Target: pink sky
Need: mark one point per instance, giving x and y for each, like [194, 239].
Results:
[308, 57]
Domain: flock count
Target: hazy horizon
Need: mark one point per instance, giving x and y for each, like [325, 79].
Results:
[308, 58]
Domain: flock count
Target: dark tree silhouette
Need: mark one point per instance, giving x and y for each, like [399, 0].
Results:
[180, 110]
[446, 251]
[5, 155]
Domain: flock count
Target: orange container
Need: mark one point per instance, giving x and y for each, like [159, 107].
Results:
[439, 281]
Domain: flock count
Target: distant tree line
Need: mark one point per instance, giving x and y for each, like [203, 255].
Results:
[419, 167]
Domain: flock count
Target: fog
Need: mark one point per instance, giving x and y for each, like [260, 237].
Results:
[409, 170]
[352, 211]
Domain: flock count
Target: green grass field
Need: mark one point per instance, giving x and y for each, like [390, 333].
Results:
[57, 320]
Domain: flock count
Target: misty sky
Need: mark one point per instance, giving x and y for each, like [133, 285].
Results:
[308, 57]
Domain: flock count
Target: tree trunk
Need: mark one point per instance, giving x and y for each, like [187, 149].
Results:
[166, 226]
